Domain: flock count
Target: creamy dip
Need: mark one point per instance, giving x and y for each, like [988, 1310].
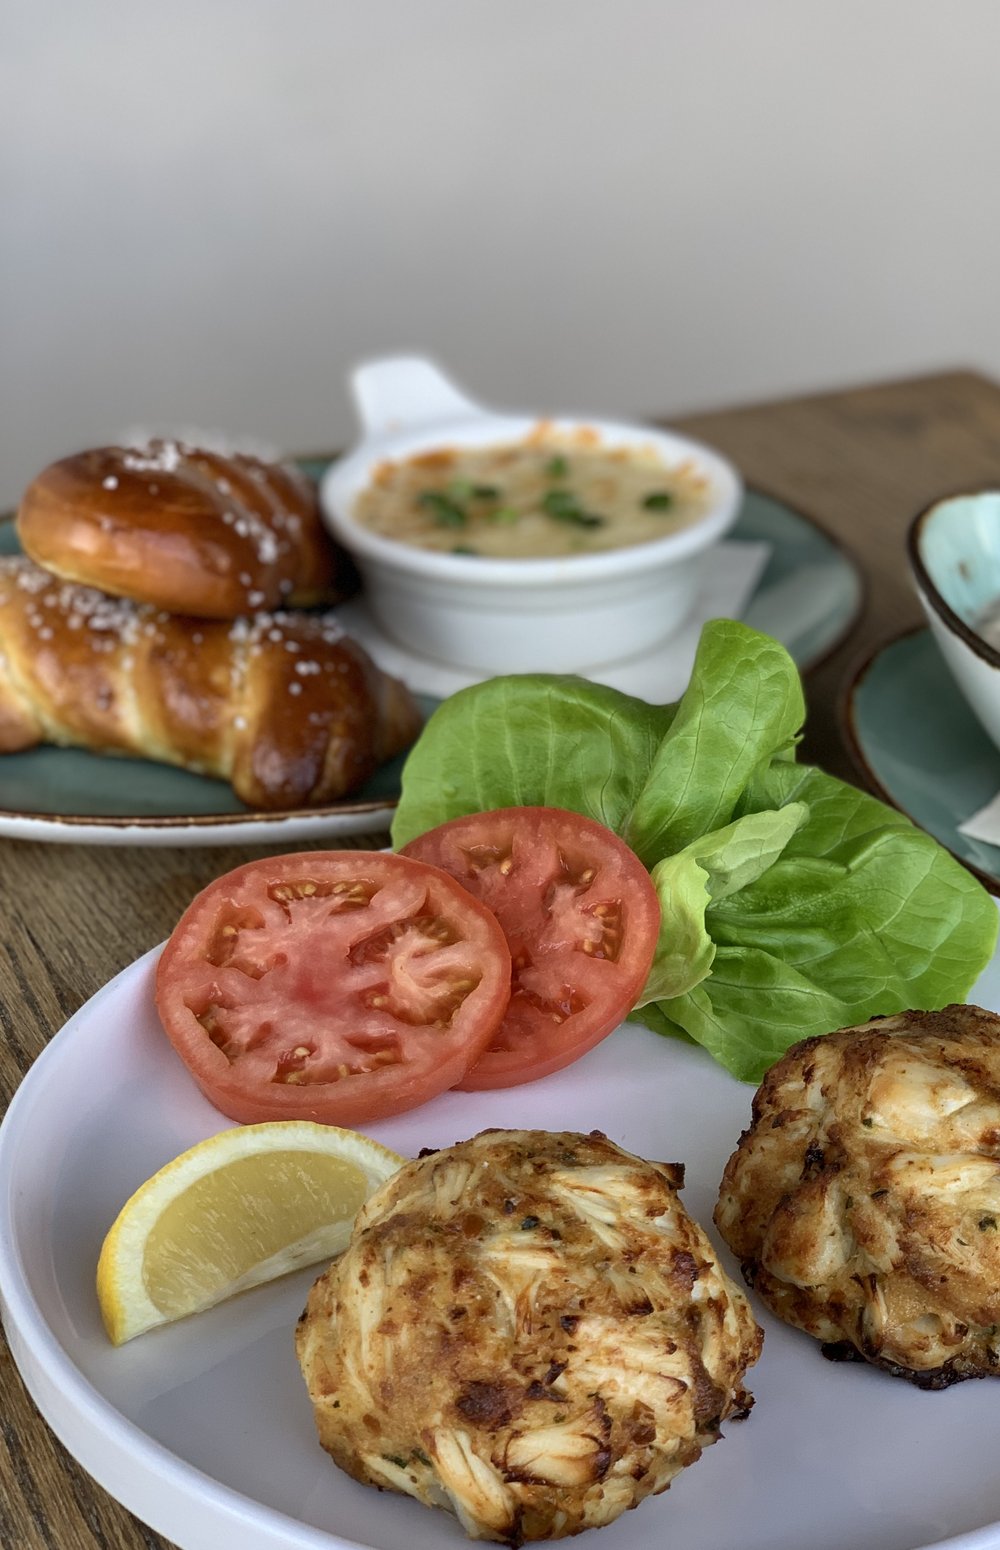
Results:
[547, 495]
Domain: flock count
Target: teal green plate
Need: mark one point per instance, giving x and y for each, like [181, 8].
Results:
[919, 746]
[809, 597]
[811, 592]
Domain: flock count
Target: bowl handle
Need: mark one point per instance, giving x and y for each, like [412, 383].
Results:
[404, 392]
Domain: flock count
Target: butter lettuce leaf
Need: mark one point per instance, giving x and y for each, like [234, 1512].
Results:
[862, 914]
[709, 868]
[532, 740]
[743, 706]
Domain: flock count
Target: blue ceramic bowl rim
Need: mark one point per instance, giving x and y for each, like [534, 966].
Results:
[925, 581]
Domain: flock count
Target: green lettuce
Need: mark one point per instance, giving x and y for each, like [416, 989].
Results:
[743, 706]
[792, 903]
[532, 741]
[708, 869]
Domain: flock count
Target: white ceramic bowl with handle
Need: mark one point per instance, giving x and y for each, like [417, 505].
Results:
[561, 614]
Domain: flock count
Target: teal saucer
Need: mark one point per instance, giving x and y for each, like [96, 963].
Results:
[919, 747]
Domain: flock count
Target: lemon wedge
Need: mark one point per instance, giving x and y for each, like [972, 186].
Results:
[243, 1207]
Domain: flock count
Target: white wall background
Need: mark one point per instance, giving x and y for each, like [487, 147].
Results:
[210, 208]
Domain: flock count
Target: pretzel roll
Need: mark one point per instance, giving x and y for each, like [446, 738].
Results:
[285, 706]
[187, 530]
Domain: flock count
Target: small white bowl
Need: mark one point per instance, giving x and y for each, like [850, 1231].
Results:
[506, 616]
[954, 553]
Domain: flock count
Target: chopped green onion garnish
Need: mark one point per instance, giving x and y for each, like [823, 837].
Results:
[463, 549]
[447, 512]
[555, 502]
[460, 489]
[506, 514]
[557, 467]
[578, 517]
[565, 507]
[485, 492]
[658, 500]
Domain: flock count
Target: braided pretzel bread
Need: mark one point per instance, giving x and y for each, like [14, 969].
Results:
[284, 705]
[191, 531]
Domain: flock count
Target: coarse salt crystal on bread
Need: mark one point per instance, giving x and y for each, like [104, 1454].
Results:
[183, 528]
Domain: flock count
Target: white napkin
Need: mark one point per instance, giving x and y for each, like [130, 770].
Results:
[984, 825]
[659, 675]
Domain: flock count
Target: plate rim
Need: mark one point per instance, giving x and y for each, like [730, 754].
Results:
[849, 561]
[847, 718]
[353, 809]
[299, 826]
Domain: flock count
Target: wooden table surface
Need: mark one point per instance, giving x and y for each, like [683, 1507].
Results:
[860, 462]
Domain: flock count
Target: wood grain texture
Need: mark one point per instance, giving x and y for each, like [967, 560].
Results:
[861, 462]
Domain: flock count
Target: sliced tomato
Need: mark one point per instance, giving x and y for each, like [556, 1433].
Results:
[581, 918]
[338, 986]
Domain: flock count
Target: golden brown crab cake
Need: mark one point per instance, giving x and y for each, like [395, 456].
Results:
[529, 1330]
[864, 1200]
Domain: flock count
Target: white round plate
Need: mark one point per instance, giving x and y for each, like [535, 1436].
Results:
[204, 1431]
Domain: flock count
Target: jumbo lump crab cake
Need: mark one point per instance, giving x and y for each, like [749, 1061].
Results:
[528, 1330]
